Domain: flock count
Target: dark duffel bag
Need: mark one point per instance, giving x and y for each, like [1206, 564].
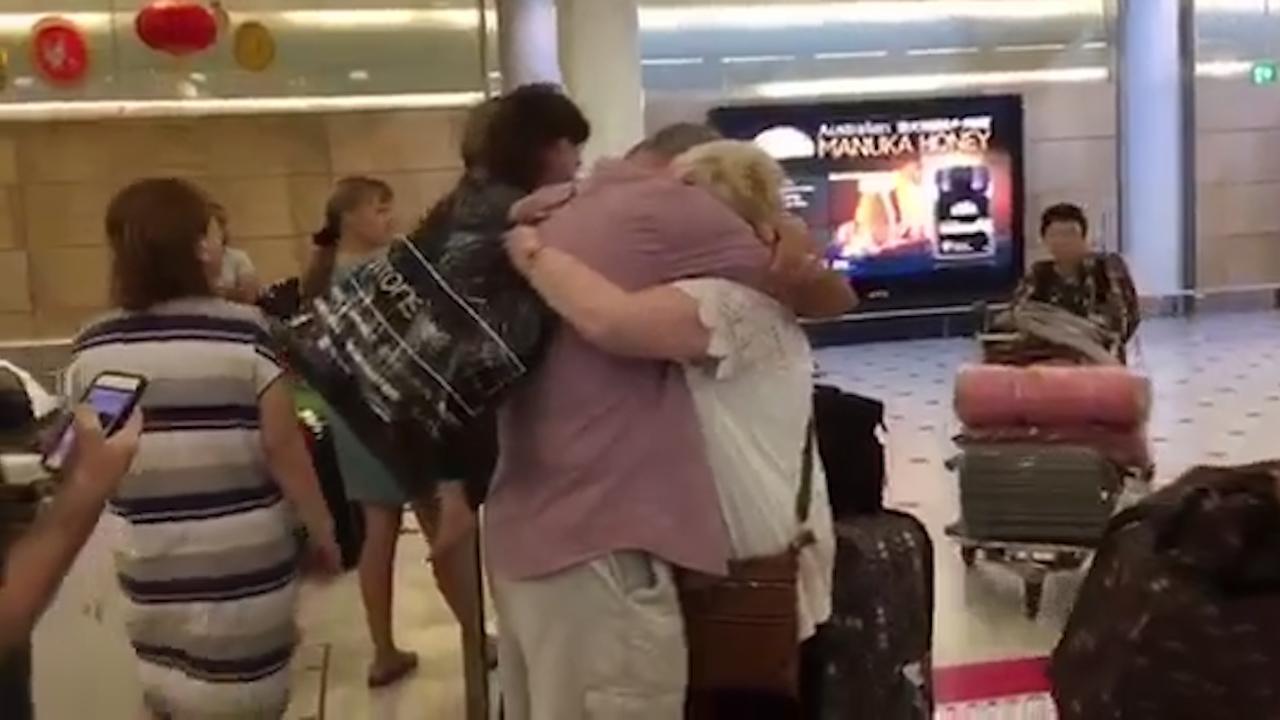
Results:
[1179, 617]
[877, 649]
[847, 427]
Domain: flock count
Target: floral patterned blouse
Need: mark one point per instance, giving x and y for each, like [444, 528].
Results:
[1101, 290]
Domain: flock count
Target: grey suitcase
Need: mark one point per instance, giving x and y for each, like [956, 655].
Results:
[1036, 493]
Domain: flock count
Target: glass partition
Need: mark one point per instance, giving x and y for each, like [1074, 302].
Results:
[1237, 139]
[796, 49]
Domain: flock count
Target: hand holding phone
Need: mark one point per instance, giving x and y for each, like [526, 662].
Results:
[99, 462]
[112, 398]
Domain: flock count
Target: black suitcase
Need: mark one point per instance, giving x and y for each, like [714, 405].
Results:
[877, 648]
[348, 517]
[847, 428]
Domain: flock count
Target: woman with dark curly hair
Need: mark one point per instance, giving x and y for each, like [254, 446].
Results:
[527, 139]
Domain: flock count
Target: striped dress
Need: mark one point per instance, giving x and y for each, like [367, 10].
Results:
[204, 543]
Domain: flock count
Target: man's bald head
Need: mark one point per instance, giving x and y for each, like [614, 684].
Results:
[658, 150]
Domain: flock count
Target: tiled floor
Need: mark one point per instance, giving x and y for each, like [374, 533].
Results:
[1217, 401]
[82, 660]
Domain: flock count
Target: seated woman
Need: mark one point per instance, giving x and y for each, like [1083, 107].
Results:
[1091, 285]
[237, 279]
[747, 361]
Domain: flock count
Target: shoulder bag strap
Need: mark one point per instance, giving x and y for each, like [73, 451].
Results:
[804, 500]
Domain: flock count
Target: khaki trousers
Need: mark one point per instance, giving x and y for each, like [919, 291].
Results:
[600, 641]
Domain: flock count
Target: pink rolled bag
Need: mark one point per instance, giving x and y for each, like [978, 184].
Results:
[1052, 396]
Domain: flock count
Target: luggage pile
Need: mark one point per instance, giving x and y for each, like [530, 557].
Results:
[1046, 448]
[1046, 451]
[1105, 408]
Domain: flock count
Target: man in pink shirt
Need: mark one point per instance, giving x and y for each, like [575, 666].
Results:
[603, 486]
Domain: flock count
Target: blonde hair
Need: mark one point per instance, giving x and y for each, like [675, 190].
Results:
[740, 174]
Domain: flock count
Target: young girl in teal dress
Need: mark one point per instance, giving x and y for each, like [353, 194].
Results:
[359, 227]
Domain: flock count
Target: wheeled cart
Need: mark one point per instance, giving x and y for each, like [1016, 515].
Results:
[1036, 509]
[1033, 562]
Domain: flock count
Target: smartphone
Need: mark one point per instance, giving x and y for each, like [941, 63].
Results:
[113, 395]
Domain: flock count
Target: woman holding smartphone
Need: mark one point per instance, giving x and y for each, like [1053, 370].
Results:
[205, 520]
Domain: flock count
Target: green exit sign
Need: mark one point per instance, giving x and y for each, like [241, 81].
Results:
[1265, 73]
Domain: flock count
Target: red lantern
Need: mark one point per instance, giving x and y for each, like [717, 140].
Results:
[59, 51]
[177, 27]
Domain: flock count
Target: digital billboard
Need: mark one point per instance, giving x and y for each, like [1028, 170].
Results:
[919, 202]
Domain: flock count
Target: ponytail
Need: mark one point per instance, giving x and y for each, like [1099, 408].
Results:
[324, 258]
[328, 235]
[347, 195]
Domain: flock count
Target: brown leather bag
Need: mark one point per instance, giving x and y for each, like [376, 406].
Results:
[743, 630]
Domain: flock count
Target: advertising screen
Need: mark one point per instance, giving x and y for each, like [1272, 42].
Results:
[919, 202]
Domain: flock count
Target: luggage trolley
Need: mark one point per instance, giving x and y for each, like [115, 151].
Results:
[1010, 518]
[1036, 509]
[1032, 562]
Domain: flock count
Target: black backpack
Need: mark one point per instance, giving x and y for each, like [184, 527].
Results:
[847, 427]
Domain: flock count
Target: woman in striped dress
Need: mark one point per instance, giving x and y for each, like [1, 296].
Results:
[207, 519]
